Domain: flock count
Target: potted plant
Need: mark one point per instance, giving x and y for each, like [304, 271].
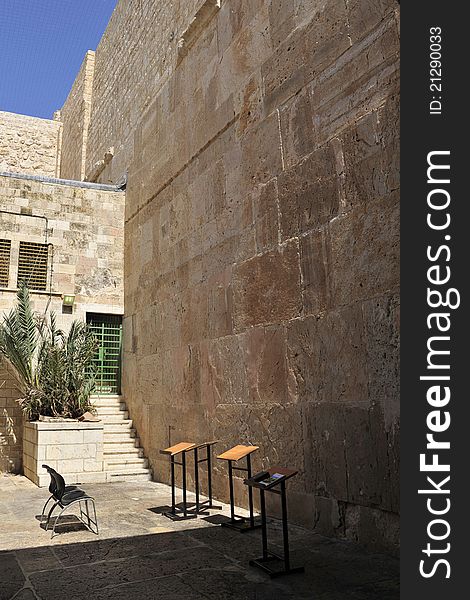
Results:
[55, 374]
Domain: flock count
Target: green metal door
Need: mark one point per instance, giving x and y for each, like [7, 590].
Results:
[107, 361]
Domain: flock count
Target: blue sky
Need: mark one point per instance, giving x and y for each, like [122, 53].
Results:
[42, 45]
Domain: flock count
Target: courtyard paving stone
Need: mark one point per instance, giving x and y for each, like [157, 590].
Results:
[141, 555]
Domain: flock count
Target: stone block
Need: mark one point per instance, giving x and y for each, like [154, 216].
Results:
[219, 304]
[68, 451]
[309, 193]
[326, 37]
[328, 356]
[385, 439]
[365, 166]
[234, 17]
[266, 288]
[72, 465]
[364, 15]
[325, 461]
[284, 72]
[246, 52]
[92, 436]
[223, 377]
[265, 216]
[347, 457]
[90, 464]
[56, 437]
[248, 103]
[361, 140]
[314, 270]
[360, 82]
[367, 477]
[364, 246]
[247, 367]
[382, 337]
[281, 20]
[388, 117]
[296, 123]
[261, 151]
[301, 506]
[376, 529]
[89, 477]
[275, 428]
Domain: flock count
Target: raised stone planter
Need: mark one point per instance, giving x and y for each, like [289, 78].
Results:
[73, 448]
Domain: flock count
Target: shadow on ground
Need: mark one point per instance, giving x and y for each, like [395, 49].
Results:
[141, 555]
[195, 564]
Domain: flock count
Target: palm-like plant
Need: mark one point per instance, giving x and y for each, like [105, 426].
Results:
[54, 369]
[19, 338]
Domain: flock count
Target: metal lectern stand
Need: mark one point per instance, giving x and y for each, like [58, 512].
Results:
[235, 454]
[275, 486]
[177, 513]
[197, 461]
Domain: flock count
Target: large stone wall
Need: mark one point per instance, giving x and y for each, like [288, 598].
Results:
[85, 228]
[29, 145]
[11, 421]
[262, 255]
[261, 239]
[133, 59]
[75, 115]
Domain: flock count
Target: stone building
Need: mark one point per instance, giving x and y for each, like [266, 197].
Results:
[259, 143]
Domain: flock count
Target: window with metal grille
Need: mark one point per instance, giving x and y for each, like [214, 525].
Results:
[32, 265]
[5, 249]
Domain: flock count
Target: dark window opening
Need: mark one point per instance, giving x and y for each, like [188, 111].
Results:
[5, 251]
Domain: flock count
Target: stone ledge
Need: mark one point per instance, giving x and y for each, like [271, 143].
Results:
[60, 425]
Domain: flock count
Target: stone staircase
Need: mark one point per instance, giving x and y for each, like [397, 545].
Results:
[124, 459]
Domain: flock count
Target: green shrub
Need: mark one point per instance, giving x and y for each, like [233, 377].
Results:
[54, 369]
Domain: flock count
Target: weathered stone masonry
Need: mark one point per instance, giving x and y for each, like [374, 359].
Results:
[29, 145]
[11, 422]
[260, 142]
[75, 115]
[84, 225]
[261, 257]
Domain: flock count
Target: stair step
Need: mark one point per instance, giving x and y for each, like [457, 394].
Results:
[110, 420]
[110, 444]
[119, 436]
[109, 404]
[114, 418]
[115, 450]
[129, 475]
[104, 411]
[125, 464]
[123, 456]
[117, 426]
[114, 445]
[123, 427]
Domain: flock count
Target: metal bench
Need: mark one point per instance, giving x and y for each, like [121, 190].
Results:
[65, 496]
